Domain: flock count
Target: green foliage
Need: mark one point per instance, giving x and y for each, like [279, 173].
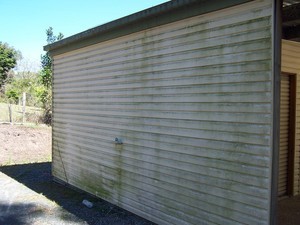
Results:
[51, 38]
[28, 82]
[8, 60]
[46, 60]
[46, 76]
[13, 95]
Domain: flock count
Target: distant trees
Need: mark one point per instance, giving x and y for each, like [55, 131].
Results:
[46, 74]
[37, 86]
[28, 82]
[8, 60]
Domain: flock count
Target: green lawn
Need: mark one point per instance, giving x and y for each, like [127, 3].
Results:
[33, 114]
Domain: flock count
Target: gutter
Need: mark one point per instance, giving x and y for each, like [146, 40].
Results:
[168, 12]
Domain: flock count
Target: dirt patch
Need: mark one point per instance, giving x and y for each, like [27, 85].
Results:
[21, 144]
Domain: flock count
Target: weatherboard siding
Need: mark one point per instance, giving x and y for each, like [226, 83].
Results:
[291, 64]
[192, 102]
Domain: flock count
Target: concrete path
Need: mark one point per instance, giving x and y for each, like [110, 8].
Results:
[20, 205]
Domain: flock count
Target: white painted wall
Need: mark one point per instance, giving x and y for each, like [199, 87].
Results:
[192, 102]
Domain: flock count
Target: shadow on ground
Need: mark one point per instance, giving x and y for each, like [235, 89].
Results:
[30, 213]
[38, 178]
[15, 213]
[289, 211]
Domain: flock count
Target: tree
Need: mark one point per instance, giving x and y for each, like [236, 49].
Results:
[46, 75]
[46, 60]
[8, 60]
[28, 82]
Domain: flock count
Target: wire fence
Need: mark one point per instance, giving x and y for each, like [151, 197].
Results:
[17, 114]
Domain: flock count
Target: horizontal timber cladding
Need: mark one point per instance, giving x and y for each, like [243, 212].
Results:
[192, 103]
[284, 135]
[291, 64]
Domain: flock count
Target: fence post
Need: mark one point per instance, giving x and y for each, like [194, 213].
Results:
[23, 107]
[10, 113]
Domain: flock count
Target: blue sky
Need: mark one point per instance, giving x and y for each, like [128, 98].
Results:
[23, 22]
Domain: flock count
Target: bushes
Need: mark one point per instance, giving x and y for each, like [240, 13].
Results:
[12, 95]
[37, 95]
[31, 84]
[37, 86]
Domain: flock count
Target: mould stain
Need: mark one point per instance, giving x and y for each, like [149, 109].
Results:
[92, 184]
[118, 160]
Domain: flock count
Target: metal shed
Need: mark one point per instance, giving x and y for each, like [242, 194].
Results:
[179, 113]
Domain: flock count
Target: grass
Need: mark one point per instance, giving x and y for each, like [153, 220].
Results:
[32, 115]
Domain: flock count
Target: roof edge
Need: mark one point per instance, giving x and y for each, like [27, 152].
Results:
[155, 16]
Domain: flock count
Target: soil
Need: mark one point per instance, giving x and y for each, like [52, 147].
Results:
[25, 156]
[20, 144]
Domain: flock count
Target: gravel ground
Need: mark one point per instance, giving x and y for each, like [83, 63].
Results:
[24, 144]
[38, 178]
[21, 206]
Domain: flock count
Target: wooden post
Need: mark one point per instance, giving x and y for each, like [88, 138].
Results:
[10, 113]
[23, 107]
